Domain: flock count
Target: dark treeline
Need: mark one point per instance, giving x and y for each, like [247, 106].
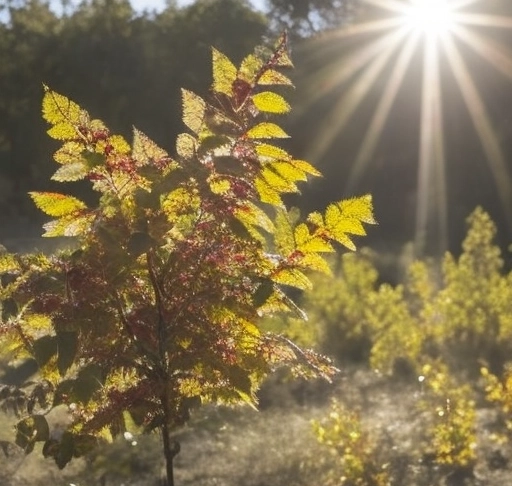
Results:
[127, 68]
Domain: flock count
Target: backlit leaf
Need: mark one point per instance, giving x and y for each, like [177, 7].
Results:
[270, 102]
[268, 151]
[145, 151]
[193, 110]
[267, 193]
[224, 73]
[273, 77]
[74, 171]
[68, 226]
[310, 243]
[266, 130]
[71, 151]
[250, 66]
[64, 114]
[8, 263]
[292, 277]
[57, 205]
[186, 145]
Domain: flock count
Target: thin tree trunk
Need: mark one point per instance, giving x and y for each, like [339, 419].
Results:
[171, 449]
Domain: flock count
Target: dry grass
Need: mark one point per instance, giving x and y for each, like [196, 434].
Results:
[275, 446]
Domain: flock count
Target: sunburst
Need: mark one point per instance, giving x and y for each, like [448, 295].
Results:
[441, 31]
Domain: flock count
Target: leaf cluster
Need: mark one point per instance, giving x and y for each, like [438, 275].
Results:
[155, 310]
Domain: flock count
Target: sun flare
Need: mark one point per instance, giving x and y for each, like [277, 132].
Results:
[453, 42]
[431, 17]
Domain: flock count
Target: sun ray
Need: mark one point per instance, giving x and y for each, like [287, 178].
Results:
[484, 20]
[341, 113]
[329, 77]
[432, 195]
[381, 113]
[492, 52]
[482, 123]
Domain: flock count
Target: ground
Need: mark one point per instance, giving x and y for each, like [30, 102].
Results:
[275, 446]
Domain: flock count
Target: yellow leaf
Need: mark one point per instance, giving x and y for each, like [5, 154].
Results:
[277, 182]
[8, 263]
[292, 277]
[270, 102]
[224, 73]
[273, 77]
[360, 208]
[288, 171]
[65, 115]
[145, 151]
[119, 144]
[307, 242]
[219, 186]
[194, 109]
[268, 151]
[186, 145]
[57, 205]
[267, 193]
[70, 152]
[251, 215]
[284, 236]
[313, 261]
[306, 167]
[266, 130]
[250, 66]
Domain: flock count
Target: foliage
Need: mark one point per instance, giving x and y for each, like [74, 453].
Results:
[155, 309]
[352, 447]
[452, 429]
[498, 390]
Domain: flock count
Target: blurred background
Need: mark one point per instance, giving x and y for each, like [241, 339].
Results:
[414, 109]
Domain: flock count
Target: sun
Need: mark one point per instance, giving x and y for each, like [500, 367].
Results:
[444, 41]
[430, 17]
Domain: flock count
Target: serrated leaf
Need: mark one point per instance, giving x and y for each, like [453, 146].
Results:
[284, 238]
[273, 77]
[145, 151]
[249, 67]
[346, 217]
[250, 214]
[266, 130]
[267, 194]
[57, 205]
[71, 151]
[186, 145]
[305, 167]
[74, 171]
[315, 262]
[281, 57]
[73, 226]
[310, 243]
[8, 263]
[270, 102]
[119, 144]
[268, 151]
[64, 114]
[224, 73]
[293, 278]
[288, 171]
[277, 182]
[194, 108]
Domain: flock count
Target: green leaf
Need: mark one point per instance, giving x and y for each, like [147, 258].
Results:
[270, 102]
[67, 344]
[44, 348]
[292, 277]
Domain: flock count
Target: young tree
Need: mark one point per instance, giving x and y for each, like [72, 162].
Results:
[156, 308]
